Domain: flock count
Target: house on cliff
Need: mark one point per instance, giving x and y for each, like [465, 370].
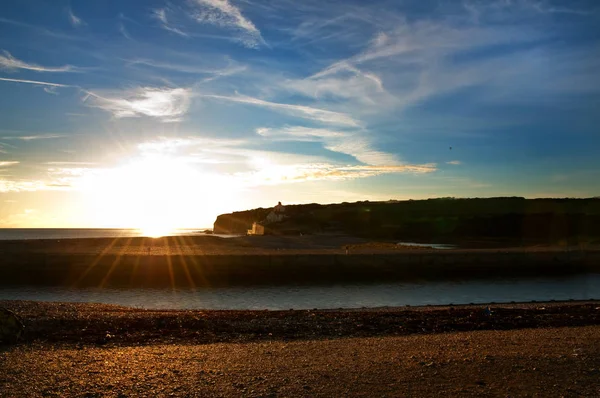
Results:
[276, 215]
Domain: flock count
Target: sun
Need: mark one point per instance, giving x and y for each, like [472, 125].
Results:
[156, 231]
[155, 194]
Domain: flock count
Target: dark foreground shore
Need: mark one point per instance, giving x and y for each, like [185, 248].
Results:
[108, 325]
[535, 349]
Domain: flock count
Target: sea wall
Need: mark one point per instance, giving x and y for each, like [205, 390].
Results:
[162, 271]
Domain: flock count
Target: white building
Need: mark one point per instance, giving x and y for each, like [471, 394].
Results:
[277, 214]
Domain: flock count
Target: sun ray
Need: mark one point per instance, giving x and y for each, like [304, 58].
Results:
[96, 260]
[138, 257]
[183, 262]
[122, 251]
[169, 263]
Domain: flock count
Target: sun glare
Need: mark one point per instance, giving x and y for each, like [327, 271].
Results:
[155, 194]
[156, 231]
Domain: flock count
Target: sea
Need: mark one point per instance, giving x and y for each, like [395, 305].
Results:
[343, 295]
[77, 233]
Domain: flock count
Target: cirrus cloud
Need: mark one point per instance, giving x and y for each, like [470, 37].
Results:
[7, 61]
[225, 14]
[307, 112]
[166, 104]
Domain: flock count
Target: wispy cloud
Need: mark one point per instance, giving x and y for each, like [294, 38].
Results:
[161, 15]
[165, 104]
[182, 146]
[262, 167]
[7, 163]
[22, 185]
[7, 61]
[353, 143]
[42, 31]
[70, 163]
[34, 137]
[228, 70]
[295, 173]
[299, 133]
[501, 10]
[411, 61]
[74, 19]
[307, 112]
[418, 42]
[33, 82]
[543, 6]
[344, 83]
[454, 162]
[225, 14]
[124, 31]
[51, 90]
[361, 148]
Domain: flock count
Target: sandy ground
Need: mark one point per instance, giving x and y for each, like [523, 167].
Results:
[549, 362]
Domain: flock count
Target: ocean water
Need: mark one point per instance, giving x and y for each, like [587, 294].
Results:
[578, 287]
[72, 233]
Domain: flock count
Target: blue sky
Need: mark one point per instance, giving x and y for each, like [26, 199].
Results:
[122, 113]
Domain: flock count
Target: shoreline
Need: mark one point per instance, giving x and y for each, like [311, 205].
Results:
[103, 324]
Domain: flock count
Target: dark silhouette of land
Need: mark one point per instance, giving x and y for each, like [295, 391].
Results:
[490, 221]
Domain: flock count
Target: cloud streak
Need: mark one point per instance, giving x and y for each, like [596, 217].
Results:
[191, 69]
[346, 83]
[353, 143]
[285, 174]
[74, 19]
[223, 13]
[161, 15]
[7, 61]
[165, 104]
[4, 79]
[306, 112]
[34, 137]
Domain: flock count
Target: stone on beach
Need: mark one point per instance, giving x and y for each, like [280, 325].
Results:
[11, 327]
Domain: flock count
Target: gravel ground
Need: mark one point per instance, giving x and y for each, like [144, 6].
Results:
[548, 362]
[108, 325]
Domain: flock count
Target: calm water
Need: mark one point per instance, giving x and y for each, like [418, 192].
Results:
[342, 296]
[72, 233]
[441, 246]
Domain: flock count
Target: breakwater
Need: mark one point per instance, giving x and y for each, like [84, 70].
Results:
[163, 271]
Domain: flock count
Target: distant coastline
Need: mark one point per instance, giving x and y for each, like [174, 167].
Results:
[445, 220]
[83, 233]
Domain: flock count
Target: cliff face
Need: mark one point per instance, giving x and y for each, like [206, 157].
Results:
[238, 222]
[444, 219]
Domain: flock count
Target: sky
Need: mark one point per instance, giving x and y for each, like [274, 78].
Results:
[147, 113]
